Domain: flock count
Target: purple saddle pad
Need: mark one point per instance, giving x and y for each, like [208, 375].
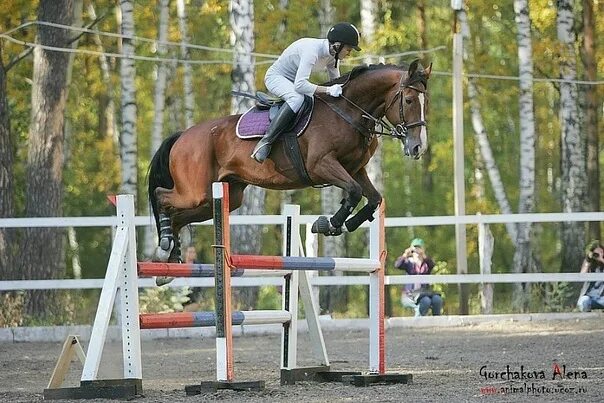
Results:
[253, 123]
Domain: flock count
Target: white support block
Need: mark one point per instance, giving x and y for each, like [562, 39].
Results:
[221, 359]
[291, 212]
[103, 312]
[129, 310]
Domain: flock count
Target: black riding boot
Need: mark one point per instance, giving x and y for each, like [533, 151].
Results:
[277, 126]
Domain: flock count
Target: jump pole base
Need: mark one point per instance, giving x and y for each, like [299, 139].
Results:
[99, 389]
[321, 373]
[213, 386]
[380, 379]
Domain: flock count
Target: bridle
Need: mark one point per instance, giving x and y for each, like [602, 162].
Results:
[381, 126]
[401, 129]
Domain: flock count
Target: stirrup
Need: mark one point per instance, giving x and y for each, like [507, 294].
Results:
[258, 150]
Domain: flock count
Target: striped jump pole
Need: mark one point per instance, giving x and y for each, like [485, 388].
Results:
[153, 269]
[207, 319]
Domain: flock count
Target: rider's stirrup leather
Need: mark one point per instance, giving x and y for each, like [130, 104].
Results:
[283, 119]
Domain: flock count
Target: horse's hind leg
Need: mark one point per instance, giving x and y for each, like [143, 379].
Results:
[173, 207]
[170, 225]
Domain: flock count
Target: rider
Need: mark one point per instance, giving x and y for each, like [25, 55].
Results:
[288, 76]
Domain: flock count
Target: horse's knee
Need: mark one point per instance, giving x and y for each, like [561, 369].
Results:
[355, 193]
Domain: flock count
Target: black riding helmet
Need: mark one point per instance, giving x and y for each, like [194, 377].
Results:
[346, 33]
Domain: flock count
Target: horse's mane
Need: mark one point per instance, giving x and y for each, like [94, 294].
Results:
[364, 68]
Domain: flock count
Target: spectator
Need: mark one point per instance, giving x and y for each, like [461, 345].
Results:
[592, 294]
[191, 255]
[420, 297]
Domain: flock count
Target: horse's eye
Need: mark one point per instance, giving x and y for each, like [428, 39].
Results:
[408, 101]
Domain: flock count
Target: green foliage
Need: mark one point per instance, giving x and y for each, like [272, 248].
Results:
[11, 309]
[163, 299]
[557, 297]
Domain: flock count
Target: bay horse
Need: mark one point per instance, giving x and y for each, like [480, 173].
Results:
[337, 143]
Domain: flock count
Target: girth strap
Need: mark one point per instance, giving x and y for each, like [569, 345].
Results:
[292, 148]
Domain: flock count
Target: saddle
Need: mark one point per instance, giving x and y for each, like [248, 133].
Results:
[254, 123]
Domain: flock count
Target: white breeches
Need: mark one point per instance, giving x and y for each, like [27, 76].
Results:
[283, 88]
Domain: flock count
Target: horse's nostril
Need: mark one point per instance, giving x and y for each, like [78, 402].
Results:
[416, 150]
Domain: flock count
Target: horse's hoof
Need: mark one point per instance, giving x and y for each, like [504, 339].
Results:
[162, 280]
[320, 226]
[161, 255]
[323, 226]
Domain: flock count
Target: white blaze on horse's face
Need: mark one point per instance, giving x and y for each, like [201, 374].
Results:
[423, 135]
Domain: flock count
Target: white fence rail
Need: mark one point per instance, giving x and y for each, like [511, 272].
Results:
[110, 221]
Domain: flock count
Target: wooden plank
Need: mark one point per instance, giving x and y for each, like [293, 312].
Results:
[70, 347]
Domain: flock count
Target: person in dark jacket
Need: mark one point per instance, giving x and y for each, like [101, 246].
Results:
[420, 297]
[592, 293]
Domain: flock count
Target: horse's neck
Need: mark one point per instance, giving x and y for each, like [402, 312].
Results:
[370, 94]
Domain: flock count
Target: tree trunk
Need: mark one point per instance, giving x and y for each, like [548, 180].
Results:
[185, 55]
[128, 141]
[159, 97]
[43, 256]
[107, 120]
[572, 143]
[8, 271]
[332, 297]
[159, 105]
[427, 180]
[590, 119]
[526, 197]
[246, 239]
[325, 16]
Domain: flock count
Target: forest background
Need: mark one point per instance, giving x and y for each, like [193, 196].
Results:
[78, 121]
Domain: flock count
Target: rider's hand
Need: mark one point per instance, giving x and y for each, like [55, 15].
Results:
[335, 90]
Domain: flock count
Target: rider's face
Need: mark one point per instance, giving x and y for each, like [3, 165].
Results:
[345, 52]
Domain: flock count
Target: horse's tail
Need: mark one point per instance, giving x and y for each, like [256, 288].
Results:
[159, 173]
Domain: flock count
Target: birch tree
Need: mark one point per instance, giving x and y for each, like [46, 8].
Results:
[526, 197]
[246, 238]
[108, 123]
[159, 95]
[128, 141]
[368, 23]
[43, 247]
[330, 197]
[573, 178]
[422, 23]
[482, 140]
[186, 67]
[590, 119]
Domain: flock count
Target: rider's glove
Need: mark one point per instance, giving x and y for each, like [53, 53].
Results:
[335, 90]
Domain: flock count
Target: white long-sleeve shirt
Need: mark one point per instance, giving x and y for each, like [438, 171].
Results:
[300, 59]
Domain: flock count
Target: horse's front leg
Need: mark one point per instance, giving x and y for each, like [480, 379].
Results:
[354, 192]
[374, 198]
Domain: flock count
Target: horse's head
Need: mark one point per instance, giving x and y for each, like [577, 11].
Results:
[407, 109]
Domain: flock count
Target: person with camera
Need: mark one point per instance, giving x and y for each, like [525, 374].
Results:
[592, 293]
[419, 297]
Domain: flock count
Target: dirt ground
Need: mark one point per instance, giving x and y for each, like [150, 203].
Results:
[445, 363]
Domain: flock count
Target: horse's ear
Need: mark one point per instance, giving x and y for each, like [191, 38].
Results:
[413, 67]
[428, 71]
